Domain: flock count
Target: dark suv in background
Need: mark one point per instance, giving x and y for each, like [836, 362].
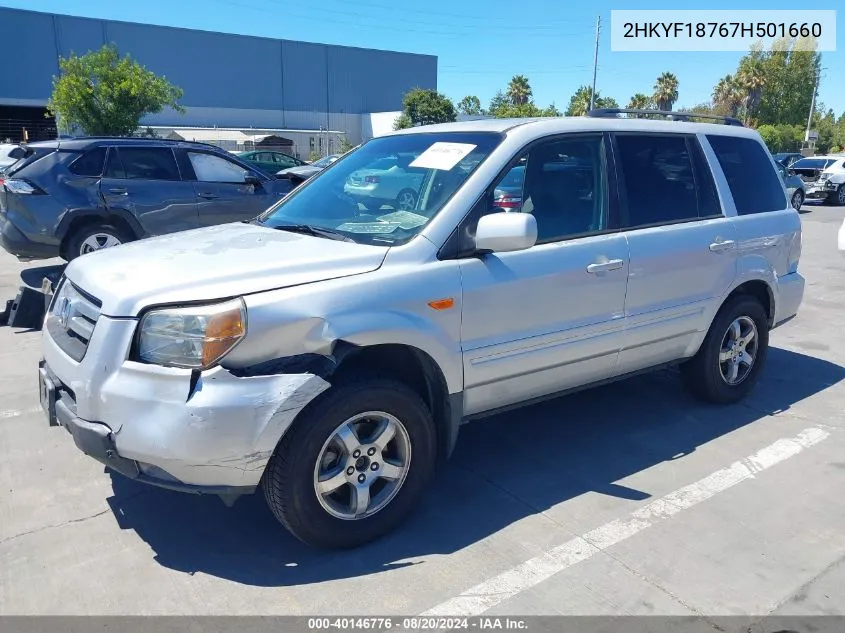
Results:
[73, 196]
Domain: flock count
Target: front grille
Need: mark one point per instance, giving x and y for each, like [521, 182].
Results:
[71, 319]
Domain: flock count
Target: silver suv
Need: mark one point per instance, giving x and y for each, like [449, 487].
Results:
[329, 350]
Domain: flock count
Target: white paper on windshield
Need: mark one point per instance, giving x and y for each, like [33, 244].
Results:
[369, 228]
[442, 156]
[406, 219]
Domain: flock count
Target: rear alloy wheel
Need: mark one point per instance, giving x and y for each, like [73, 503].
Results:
[406, 200]
[733, 353]
[797, 199]
[94, 237]
[840, 195]
[353, 465]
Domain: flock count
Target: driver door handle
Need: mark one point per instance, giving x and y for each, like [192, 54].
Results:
[208, 195]
[722, 245]
[119, 191]
[600, 267]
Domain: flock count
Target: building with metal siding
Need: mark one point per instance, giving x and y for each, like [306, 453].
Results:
[229, 81]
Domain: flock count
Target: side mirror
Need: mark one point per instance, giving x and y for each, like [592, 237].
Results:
[504, 232]
[251, 179]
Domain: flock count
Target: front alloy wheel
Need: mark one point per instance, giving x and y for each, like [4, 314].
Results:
[98, 241]
[362, 466]
[343, 474]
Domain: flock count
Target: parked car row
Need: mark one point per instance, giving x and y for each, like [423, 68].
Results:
[823, 177]
[71, 197]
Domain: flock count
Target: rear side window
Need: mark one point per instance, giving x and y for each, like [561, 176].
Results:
[144, 163]
[90, 163]
[665, 180]
[754, 185]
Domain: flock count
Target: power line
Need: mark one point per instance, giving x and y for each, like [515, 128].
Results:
[357, 23]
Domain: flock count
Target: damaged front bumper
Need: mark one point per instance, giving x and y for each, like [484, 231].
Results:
[208, 433]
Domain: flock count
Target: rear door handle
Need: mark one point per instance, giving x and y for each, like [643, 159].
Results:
[600, 267]
[119, 191]
[208, 195]
[723, 245]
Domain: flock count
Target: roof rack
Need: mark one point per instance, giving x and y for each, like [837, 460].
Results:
[675, 116]
[150, 139]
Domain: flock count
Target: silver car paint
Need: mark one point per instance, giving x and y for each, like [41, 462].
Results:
[523, 324]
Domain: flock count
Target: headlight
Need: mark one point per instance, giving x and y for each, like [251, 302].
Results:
[195, 337]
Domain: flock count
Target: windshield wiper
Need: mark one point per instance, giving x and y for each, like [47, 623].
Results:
[316, 231]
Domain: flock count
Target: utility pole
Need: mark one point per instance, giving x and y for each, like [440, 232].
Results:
[595, 62]
[812, 109]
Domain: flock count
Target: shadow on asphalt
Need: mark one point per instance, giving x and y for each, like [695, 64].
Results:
[504, 468]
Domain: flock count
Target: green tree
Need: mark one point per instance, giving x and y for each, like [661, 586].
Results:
[727, 96]
[579, 103]
[105, 94]
[639, 102]
[519, 90]
[751, 81]
[498, 103]
[666, 91]
[424, 107]
[402, 122]
[790, 70]
[345, 145]
[470, 105]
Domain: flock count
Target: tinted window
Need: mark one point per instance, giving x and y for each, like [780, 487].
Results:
[284, 161]
[114, 168]
[210, 168]
[562, 184]
[149, 163]
[755, 186]
[660, 185]
[812, 163]
[90, 163]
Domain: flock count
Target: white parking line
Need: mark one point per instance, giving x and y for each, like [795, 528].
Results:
[14, 413]
[491, 592]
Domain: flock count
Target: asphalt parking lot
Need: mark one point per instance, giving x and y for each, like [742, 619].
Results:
[630, 499]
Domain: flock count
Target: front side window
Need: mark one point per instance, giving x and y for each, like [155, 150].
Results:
[387, 190]
[560, 182]
[144, 163]
[754, 185]
[659, 180]
[211, 168]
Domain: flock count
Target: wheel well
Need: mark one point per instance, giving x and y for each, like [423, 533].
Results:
[82, 221]
[761, 291]
[412, 367]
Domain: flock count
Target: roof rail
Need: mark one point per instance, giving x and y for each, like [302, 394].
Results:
[138, 138]
[676, 116]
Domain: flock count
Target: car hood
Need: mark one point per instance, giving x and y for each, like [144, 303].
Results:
[214, 263]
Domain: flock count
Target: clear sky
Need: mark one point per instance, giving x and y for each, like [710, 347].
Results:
[480, 43]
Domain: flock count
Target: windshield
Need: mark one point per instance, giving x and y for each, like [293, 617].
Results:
[387, 190]
[812, 163]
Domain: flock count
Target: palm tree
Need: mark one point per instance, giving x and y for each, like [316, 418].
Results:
[519, 90]
[751, 81]
[727, 95]
[639, 102]
[579, 103]
[666, 91]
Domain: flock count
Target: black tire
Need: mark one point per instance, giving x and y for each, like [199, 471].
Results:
[797, 200]
[288, 481]
[73, 244]
[839, 196]
[702, 375]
